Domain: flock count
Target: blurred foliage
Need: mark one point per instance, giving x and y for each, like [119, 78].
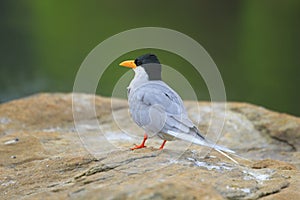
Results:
[254, 43]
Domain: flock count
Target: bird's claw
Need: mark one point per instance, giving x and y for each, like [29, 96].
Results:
[138, 147]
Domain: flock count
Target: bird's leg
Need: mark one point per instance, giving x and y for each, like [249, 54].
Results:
[142, 145]
[162, 145]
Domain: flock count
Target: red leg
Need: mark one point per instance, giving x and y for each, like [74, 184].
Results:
[141, 145]
[163, 144]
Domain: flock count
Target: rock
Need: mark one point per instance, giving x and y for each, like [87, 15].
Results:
[273, 164]
[53, 149]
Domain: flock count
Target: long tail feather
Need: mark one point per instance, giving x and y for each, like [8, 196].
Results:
[227, 156]
[191, 138]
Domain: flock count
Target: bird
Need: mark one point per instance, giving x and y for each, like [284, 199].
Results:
[158, 109]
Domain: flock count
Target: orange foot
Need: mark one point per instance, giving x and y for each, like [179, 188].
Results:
[138, 147]
[141, 145]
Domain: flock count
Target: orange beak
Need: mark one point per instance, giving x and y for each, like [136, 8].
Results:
[128, 63]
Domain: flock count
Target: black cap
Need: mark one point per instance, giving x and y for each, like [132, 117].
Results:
[151, 65]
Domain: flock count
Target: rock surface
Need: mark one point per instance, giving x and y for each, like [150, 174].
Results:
[46, 154]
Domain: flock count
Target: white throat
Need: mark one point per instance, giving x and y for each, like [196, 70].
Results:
[140, 77]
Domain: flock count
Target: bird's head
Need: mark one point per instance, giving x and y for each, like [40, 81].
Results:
[148, 62]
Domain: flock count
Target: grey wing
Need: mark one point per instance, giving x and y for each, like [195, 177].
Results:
[157, 108]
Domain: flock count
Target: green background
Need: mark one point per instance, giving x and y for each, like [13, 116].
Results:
[254, 43]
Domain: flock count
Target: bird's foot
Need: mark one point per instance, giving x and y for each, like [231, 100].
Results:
[138, 147]
[141, 145]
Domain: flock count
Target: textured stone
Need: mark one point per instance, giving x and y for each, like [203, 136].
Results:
[46, 154]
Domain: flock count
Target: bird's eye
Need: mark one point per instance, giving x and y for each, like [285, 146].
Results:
[137, 62]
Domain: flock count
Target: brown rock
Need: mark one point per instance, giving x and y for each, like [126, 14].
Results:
[51, 151]
[273, 164]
